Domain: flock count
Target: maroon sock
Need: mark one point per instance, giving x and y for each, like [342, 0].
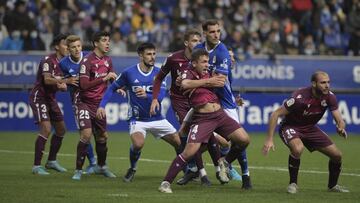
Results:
[176, 166]
[334, 172]
[101, 151]
[54, 147]
[39, 149]
[294, 165]
[81, 154]
[214, 150]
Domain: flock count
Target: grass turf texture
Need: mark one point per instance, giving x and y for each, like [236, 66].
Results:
[269, 174]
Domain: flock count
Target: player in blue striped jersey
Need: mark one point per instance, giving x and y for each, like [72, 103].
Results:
[138, 82]
[70, 66]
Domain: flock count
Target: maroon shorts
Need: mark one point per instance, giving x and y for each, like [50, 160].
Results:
[45, 109]
[180, 107]
[312, 137]
[204, 124]
[86, 117]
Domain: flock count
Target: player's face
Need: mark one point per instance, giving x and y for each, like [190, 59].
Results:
[62, 48]
[322, 85]
[212, 34]
[148, 57]
[75, 49]
[192, 42]
[201, 65]
[103, 45]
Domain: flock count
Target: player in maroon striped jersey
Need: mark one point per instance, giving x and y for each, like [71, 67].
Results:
[96, 70]
[46, 111]
[302, 111]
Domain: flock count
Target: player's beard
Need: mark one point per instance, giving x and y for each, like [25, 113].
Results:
[148, 65]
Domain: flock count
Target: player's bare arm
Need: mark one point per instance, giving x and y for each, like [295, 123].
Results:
[269, 142]
[140, 92]
[72, 81]
[100, 113]
[110, 76]
[340, 124]
[215, 81]
[155, 106]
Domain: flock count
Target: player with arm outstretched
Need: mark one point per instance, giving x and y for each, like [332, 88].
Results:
[138, 81]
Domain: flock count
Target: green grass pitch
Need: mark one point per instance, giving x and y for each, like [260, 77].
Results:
[269, 174]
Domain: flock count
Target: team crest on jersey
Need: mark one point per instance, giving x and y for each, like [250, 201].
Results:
[83, 69]
[225, 64]
[106, 63]
[183, 76]
[323, 103]
[290, 102]
[45, 67]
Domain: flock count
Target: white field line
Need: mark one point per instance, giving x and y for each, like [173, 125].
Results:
[168, 162]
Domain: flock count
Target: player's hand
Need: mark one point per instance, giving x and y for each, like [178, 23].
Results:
[62, 86]
[140, 92]
[342, 132]
[217, 81]
[269, 144]
[110, 76]
[155, 106]
[239, 101]
[178, 81]
[73, 81]
[122, 92]
[100, 113]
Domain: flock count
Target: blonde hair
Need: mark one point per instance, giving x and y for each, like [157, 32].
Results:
[72, 38]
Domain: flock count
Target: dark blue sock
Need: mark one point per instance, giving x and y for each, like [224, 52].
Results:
[90, 154]
[224, 151]
[134, 157]
[242, 158]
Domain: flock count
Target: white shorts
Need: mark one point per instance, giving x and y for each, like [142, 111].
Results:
[158, 128]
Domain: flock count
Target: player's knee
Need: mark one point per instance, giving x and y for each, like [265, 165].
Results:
[336, 156]
[297, 150]
[138, 144]
[61, 131]
[102, 138]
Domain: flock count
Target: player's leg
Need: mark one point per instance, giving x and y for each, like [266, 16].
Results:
[40, 111]
[55, 145]
[334, 165]
[101, 149]
[137, 140]
[81, 151]
[44, 132]
[296, 147]
[92, 159]
[176, 166]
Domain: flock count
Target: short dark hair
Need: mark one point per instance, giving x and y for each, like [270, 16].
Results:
[57, 39]
[315, 74]
[206, 23]
[97, 36]
[146, 45]
[191, 31]
[197, 53]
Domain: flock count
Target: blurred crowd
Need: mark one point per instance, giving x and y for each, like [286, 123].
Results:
[250, 27]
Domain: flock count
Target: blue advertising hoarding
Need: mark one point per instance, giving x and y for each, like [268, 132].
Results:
[251, 73]
[16, 115]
